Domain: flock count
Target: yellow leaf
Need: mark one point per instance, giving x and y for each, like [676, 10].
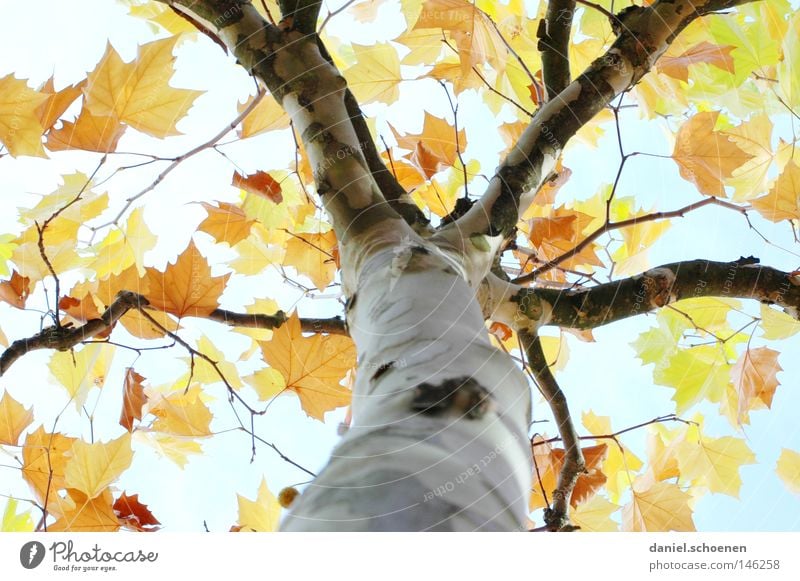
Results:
[312, 366]
[226, 223]
[556, 351]
[788, 73]
[788, 469]
[261, 514]
[182, 413]
[594, 516]
[714, 462]
[175, 448]
[697, 373]
[44, 458]
[755, 379]
[89, 132]
[186, 287]
[138, 93]
[706, 157]
[704, 52]
[254, 255]
[20, 126]
[660, 507]
[376, 74]
[16, 523]
[314, 255]
[92, 467]
[783, 200]
[776, 324]
[14, 419]
[205, 373]
[620, 463]
[84, 514]
[268, 115]
[79, 371]
[57, 102]
[161, 15]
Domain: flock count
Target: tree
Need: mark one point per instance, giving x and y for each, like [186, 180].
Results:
[450, 276]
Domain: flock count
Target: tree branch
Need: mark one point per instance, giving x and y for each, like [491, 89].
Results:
[557, 516]
[65, 337]
[553, 36]
[643, 36]
[302, 14]
[587, 308]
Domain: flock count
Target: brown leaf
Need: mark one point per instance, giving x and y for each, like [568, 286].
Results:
[261, 184]
[704, 52]
[135, 515]
[133, 398]
[15, 291]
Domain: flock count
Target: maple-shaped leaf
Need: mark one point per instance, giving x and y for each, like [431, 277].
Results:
[594, 515]
[57, 102]
[14, 522]
[660, 507]
[714, 462]
[134, 515]
[138, 93]
[549, 461]
[186, 287]
[261, 514]
[777, 324]
[133, 398]
[435, 148]
[260, 184]
[92, 467]
[175, 448]
[703, 52]
[81, 513]
[181, 413]
[267, 115]
[788, 470]
[226, 223]
[755, 379]
[376, 74]
[707, 157]
[88, 132]
[783, 200]
[44, 458]
[313, 255]
[80, 371]
[15, 291]
[14, 419]
[20, 125]
[619, 462]
[311, 366]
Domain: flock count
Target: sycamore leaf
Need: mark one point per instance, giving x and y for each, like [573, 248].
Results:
[788, 470]
[376, 74]
[174, 448]
[707, 157]
[266, 116]
[133, 398]
[698, 373]
[16, 523]
[81, 513]
[14, 419]
[186, 287]
[20, 125]
[755, 379]
[260, 184]
[89, 132]
[205, 373]
[261, 514]
[435, 148]
[138, 93]
[311, 366]
[267, 382]
[704, 52]
[134, 515]
[660, 507]
[594, 515]
[182, 413]
[80, 371]
[619, 462]
[92, 467]
[313, 255]
[714, 462]
[783, 200]
[44, 458]
[776, 324]
[16, 290]
[549, 461]
[57, 102]
[226, 223]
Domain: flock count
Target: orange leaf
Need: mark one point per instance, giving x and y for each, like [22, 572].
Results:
[314, 256]
[660, 507]
[549, 461]
[186, 288]
[83, 514]
[435, 148]
[133, 398]
[135, 515]
[783, 200]
[261, 184]
[704, 52]
[706, 157]
[15, 291]
[14, 419]
[44, 460]
[57, 102]
[501, 331]
[89, 132]
[312, 366]
[754, 378]
[226, 223]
